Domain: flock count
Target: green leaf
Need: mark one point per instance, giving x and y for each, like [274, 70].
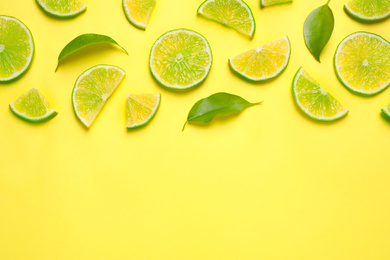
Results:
[221, 103]
[83, 41]
[317, 29]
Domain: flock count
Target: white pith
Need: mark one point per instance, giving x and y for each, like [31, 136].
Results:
[61, 14]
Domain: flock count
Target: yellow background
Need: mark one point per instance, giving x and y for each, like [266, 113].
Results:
[266, 184]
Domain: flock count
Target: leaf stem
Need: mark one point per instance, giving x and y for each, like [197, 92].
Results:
[327, 3]
[184, 126]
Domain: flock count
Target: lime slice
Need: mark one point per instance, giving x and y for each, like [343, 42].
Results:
[235, 14]
[264, 62]
[368, 10]
[180, 59]
[362, 63]
[92, 90]
[139, 12]
[266, 3]
[141, 109]
[16, 48]
[386, 111]
[33, 107]
[313, 100]
[62, 8]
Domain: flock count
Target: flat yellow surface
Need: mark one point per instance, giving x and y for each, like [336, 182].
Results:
[266, 184]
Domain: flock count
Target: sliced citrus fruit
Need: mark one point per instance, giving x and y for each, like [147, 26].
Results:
[180, 59]
[16, 48]
[32, 106]
[92, 90]
[62, 8]
[141, 109]
[266, 3]
[264, 62]
[368, 10]
[313, 100]
[362, 63]
[139, 12]
[235, 14]
[386, 111]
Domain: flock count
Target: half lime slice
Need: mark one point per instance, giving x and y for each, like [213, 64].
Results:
[313, 100]
[141, 109]
[139, 12]
[16, 48]
[264, 62]
[235, 14]
[180, 59]
[266, 3]
[33, 107]
[62, 8]
[362, 63]
[368, 10]
[92, 90]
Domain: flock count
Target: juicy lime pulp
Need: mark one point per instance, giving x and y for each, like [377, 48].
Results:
[33, 107]
[368, 10]
[313, 100]
[264, 62]
[265, 3]
[362, 63]
[62, 8]
[139, 12]
[16, 48]
[92, 90]
[141, 109]
[180, 59]
[235, 14]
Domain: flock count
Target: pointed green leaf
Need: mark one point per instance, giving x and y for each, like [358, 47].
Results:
[83, 41]
[221, 103]
[317, 29]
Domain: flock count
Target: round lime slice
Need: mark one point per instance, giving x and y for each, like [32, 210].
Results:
[62, 8]
[264, 62]
[362, 63]
[33, 107]
[368, 10]
[16, 48]
[235, 14]
[139, 12]
[180, 59]
[141, 108]
[313, 100]
[92, 90]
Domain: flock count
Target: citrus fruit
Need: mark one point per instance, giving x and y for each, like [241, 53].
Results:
[264, 62]
[62, 8]
[235, 14]
[16, 48]
[139, 12]
[362, 63]
[140, 109]
[180, 59]
[265, 3]
[313, 100]
[32, 106]
[368, 10]
[92, 90]
[386, 111]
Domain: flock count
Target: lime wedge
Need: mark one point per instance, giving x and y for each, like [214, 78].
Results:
[16, 48]
[92, 90]
[386, 111]
[368, 10]
[139, 12]
[62, 8]
[362, 63]
[33, 107]
[235, 14]
[141, 109]
[180, 59]
[266, 3]
[313, 100]
[264, 62]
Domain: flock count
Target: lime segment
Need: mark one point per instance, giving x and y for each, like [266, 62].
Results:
[386, 111]
[139, 12]
[33, 107]
[368, 10]
[92, 90]
[141, 109]
[266, 3]
[362, 63]
[264, 62]
[235, 14]
[62, 8]
[180, 59]
[16, 48]
[313, 100]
